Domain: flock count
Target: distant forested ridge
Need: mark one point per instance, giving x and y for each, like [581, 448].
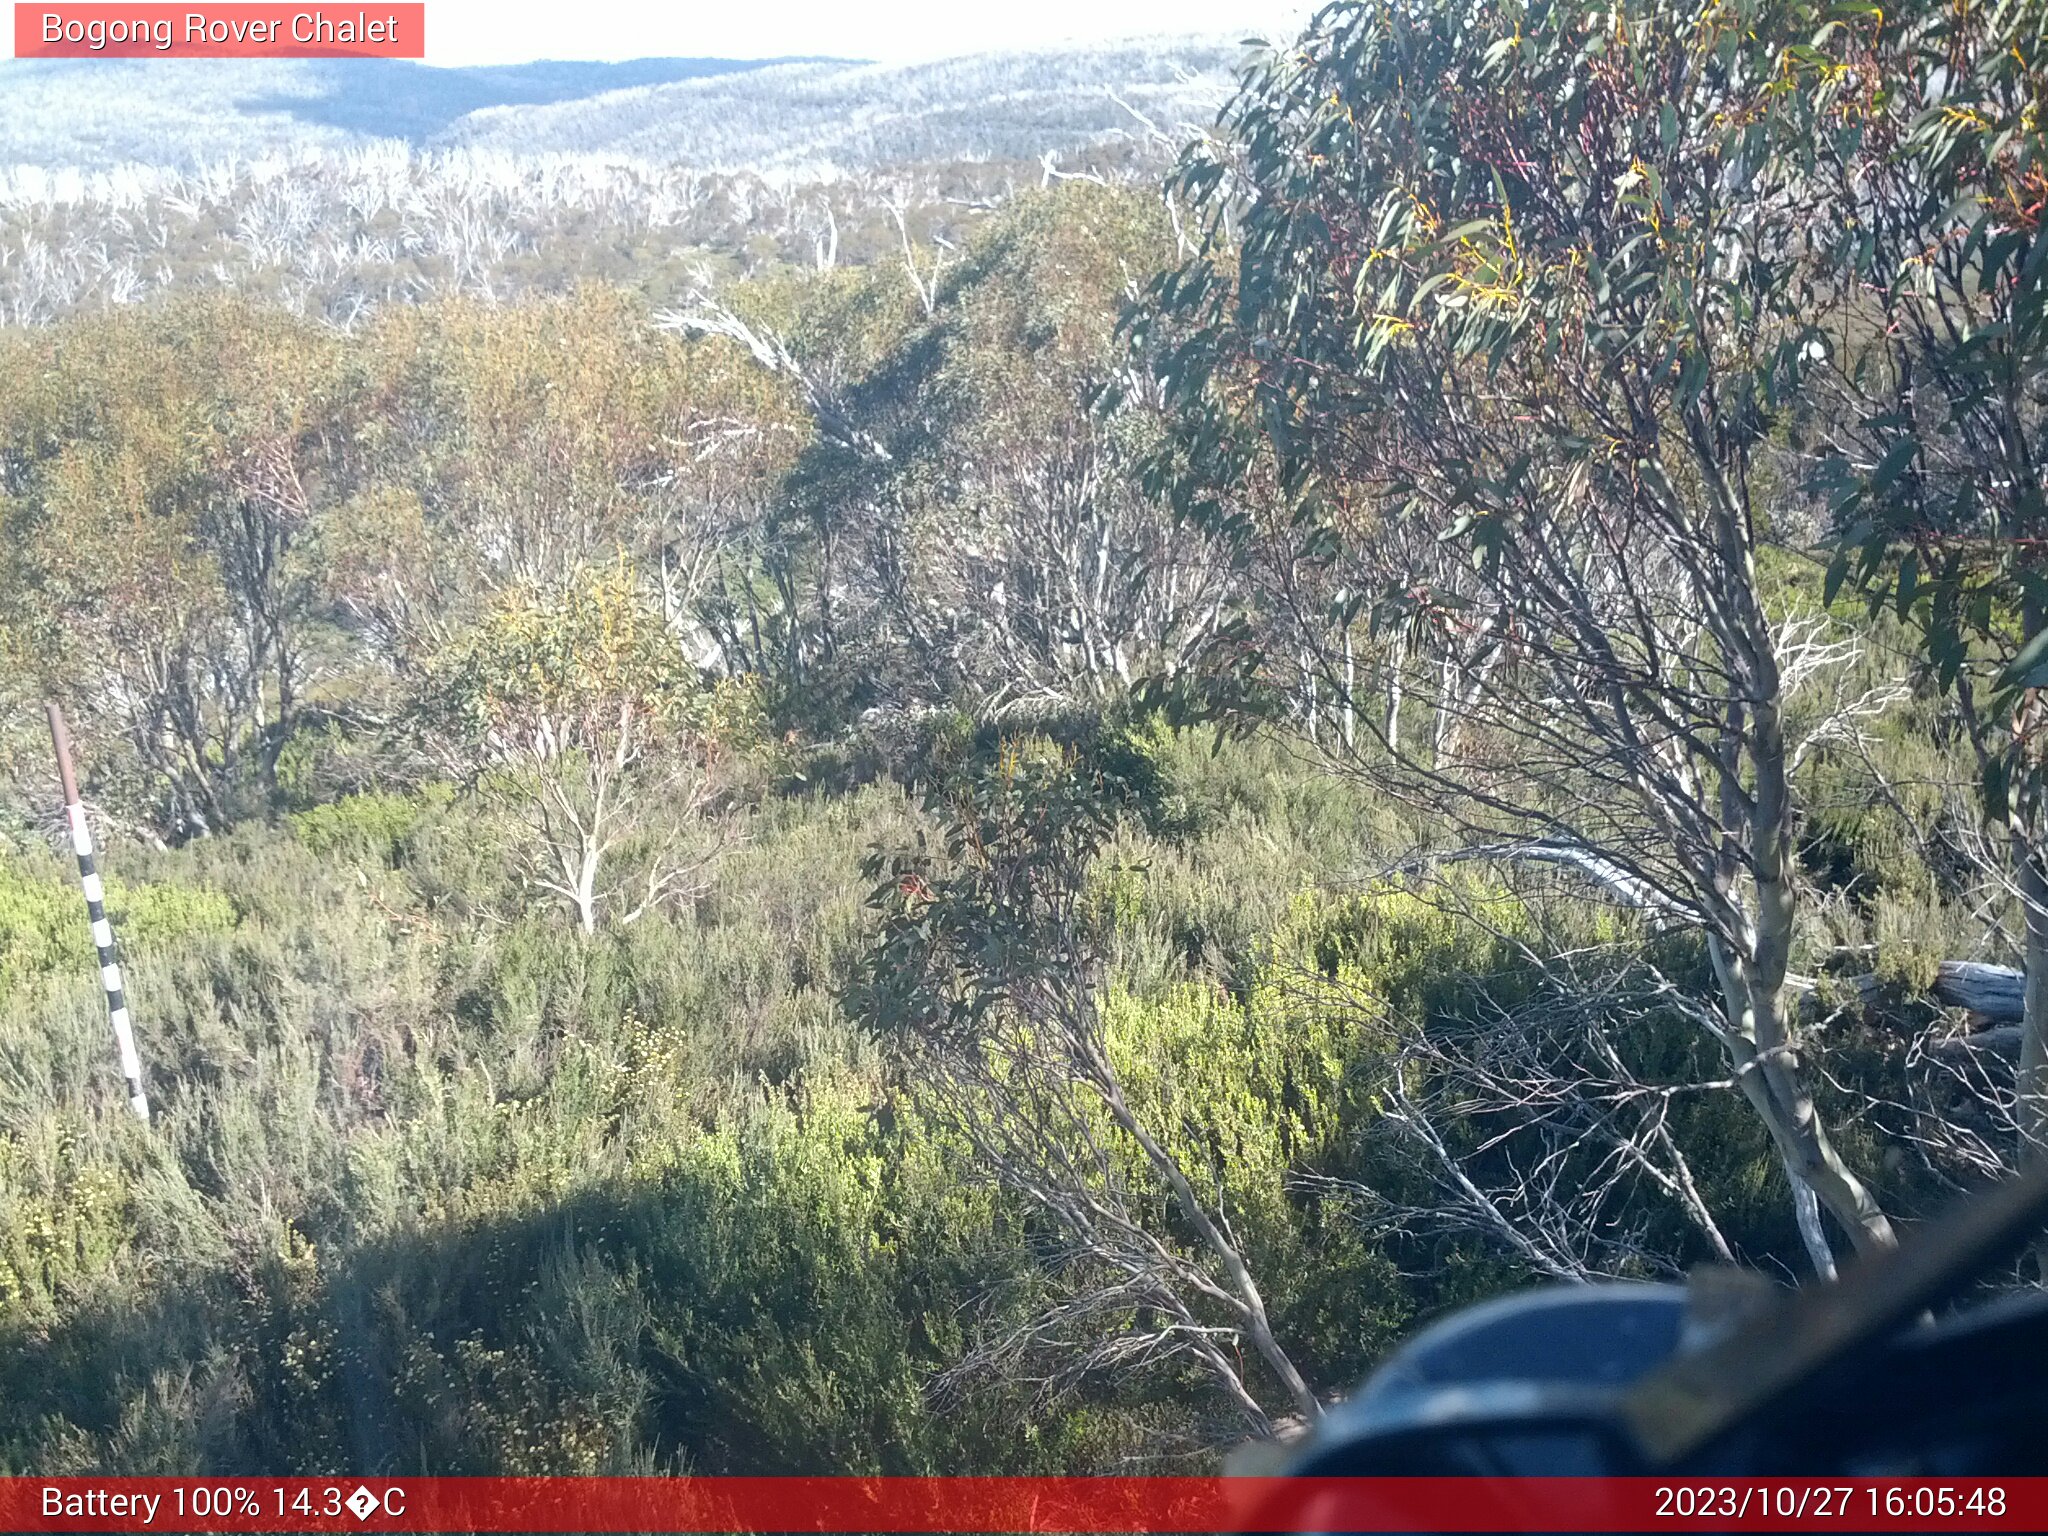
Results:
[1003, 816]
[185, 113]
[808, 117]
[334, 188]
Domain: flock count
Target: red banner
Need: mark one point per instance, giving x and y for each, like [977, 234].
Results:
[231, 31]
[991, 1504]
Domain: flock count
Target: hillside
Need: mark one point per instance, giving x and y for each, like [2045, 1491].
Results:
[337, 187]
[818, 118]
[722, 113]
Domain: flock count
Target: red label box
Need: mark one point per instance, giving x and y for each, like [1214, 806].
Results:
[367, 29]
[1048, 1506]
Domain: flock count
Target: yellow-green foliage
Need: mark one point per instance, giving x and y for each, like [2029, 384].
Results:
[64, 1216]
[43, 925]
[155, 915]
[370, 826]
[579, 655]
[39, 922]
[1250, 1089]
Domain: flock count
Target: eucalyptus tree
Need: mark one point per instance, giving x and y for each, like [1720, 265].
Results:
[786, 599]
[1531, 283]
[509, 448]
[1934, 445]
[1029, 564]
[574, 709]
[160, 478]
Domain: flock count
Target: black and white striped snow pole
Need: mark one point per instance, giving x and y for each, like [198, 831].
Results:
[96, 909]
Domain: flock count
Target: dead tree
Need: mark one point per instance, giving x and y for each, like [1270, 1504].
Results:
[706, 316]
[989, 971]
[1528, 1127]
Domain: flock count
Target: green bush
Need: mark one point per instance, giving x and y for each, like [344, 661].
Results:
[43, 928]
[371, 827]
[40, 922]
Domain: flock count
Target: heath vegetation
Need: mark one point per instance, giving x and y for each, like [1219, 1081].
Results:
[1009, 838]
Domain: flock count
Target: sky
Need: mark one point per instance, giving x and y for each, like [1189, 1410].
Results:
[894, 31]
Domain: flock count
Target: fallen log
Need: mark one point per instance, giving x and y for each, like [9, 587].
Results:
[1990, 994]
[1620, 886]
[1996, 993]
[2002, 1041]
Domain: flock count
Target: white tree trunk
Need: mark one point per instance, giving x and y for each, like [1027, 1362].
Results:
[2031, 1085]
[1395, 691]
[1754, 989]
[585, 897]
